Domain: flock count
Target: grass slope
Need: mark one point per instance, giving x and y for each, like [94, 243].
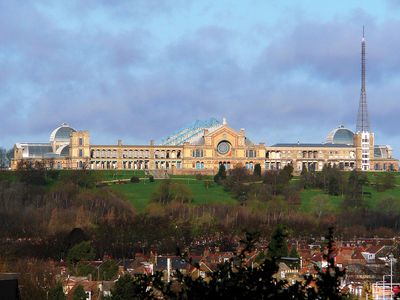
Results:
[139, 194]
[336, 201]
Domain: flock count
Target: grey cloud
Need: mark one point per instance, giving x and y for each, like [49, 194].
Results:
[119, 84]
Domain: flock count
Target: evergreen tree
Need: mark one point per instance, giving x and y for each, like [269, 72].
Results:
[79, 252]
[132, 288]
[288, 169]
[257, 170]
[278, 245]
[328, 282]
[79, 293]
[57, 293]
[354, 189]
[221, 175]
[294, 254]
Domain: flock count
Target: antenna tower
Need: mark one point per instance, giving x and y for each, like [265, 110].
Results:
[362, 117]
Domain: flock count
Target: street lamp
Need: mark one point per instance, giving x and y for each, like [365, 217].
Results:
[391, 275]
[384, 290]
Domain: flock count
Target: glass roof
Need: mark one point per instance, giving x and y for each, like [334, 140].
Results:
[340, 135]
[62, 133]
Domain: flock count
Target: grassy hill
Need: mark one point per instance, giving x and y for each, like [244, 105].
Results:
[139, 194]
[372, 197]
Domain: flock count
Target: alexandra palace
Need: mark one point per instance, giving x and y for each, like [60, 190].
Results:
[203, 146]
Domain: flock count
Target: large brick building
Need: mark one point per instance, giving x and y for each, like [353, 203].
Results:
[202, 147]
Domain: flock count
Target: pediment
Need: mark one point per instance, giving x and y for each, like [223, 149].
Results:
[225, 133]
[224, 130]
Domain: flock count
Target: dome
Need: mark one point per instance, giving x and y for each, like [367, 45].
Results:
[340, 135]
[62, 133]
[63, 150]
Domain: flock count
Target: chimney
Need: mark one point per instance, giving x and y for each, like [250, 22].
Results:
[119, 142]
[151, 142]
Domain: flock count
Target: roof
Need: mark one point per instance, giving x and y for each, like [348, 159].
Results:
[32, 150]
[374, 249]
[311, 145]
[340, 135]
[62, 133]
[191, 133]
[176, 262]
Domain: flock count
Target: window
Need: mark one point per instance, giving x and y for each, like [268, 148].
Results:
[199, 165]
[80, 141]
[80, 152]
[197, 153]
[223, 147]
[251, 153]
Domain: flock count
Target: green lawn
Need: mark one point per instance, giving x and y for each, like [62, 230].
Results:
[139, 194]
[120, 174]
[7, 175]
[335, 202]
[306, 202]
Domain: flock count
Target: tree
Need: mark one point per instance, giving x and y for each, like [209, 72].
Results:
[3, 158]
[31, 172]
[257, 170]
[10, 154]
[277, 179]
[79, 293]
[354, 190]
[320, 205]
[82, 178]
[80, 252]
[108, 270]
[288, 169]
[57, 293]
[207, 183]
[328, 282]
[385, 181]
[169, 191]
[234, 279]
[135, 179]
[125, 288]
[221, 175]
[278, 247]
[294, 254]
[75, 236]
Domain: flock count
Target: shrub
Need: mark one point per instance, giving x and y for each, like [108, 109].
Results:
[199, 177]
[208, 183]
[257, 170]
[135, 179]
[151, 178]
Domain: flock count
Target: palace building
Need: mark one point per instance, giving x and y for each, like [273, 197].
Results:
[203, 146]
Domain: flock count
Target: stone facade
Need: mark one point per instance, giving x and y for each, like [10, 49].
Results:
[221, 145]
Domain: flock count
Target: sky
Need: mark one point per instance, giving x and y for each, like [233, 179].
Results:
[286, 71]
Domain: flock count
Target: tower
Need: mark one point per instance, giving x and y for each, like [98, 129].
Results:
[363, 138]
[362, 117]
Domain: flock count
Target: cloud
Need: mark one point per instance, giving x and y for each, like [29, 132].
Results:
[106, 69]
